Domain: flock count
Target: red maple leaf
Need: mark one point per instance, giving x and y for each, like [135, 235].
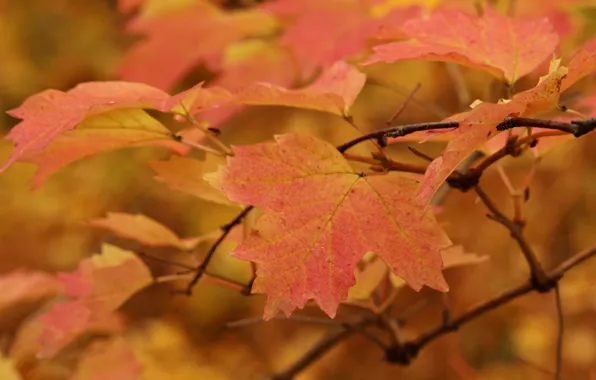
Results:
[505, 47]
[51, 113]
[177, 41]
[322, 32]
[321, 217]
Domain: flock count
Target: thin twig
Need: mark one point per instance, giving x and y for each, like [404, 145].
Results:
[403, 106]
[225, 232]
[414, 346]
[536, 270]
[559, 353]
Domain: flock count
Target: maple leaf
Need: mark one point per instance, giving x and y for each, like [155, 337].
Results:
[143, 229]
[505, 47]
[201, 33]
[114, 360]
[100, 285]
[186, 175]
[320, 33]
[373, 271]
[334, 91]
[67, 321]
[51, 113]
[478, 125]
[24, 291]
[581, 63]
[105, 281]
[320, 217]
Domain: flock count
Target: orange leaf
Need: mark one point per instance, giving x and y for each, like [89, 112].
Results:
[476, 128]
[322, 32]
[23, 292]
[334, 91]
[186, 175]
[179, 40]
[105, 281]
[67, 321]
[582, 63]
[321, 217]
[50, 113]
[505, 47]
[479, 125]
[143, 229]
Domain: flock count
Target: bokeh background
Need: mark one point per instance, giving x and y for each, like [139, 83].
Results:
[59, 43]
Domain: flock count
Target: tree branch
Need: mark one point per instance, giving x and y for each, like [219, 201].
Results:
[561, 325]
[226, 229]
[412, 347]
[575, 127]
[537, 272]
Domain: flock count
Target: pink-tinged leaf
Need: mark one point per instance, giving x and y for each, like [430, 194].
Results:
[113, 360]
[186, 175]
[8, 370]
[178, 41]
[321, 217]
[334, 91]
[143, 229]
[454, 256]
[75, 145]
[476, 128]
[505, 47]
[105, 281]
[50, 113]
[545, 96]
[582, 63]
[67, 321]
[479, 125]
[197, 99]
[24, 287]
[128, 5]
[320, 33]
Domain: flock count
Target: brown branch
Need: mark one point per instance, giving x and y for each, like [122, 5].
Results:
[576, 127]
[537, 272]
[226, 229]
[411, 348]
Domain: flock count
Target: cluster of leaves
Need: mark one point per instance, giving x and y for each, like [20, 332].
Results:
[325, 219]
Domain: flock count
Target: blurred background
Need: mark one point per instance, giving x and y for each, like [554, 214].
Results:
[60, 43]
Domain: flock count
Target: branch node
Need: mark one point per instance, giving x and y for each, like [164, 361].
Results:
[544, 284]
[506, 124]
[583, 126]
[465, 182]
[402, 354]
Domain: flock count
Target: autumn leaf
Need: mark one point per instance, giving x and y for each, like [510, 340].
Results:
[186, 175]
[113, 359]
[143, 229]
[581, 63]
[334, 91]
[479, 125]
[373, 272]
[201, 33]
[96, 105]
[320, 217]
[23, 292]
[105, 281]
[320, 33]
[100, 285]
[505, 47]
[67, 321]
